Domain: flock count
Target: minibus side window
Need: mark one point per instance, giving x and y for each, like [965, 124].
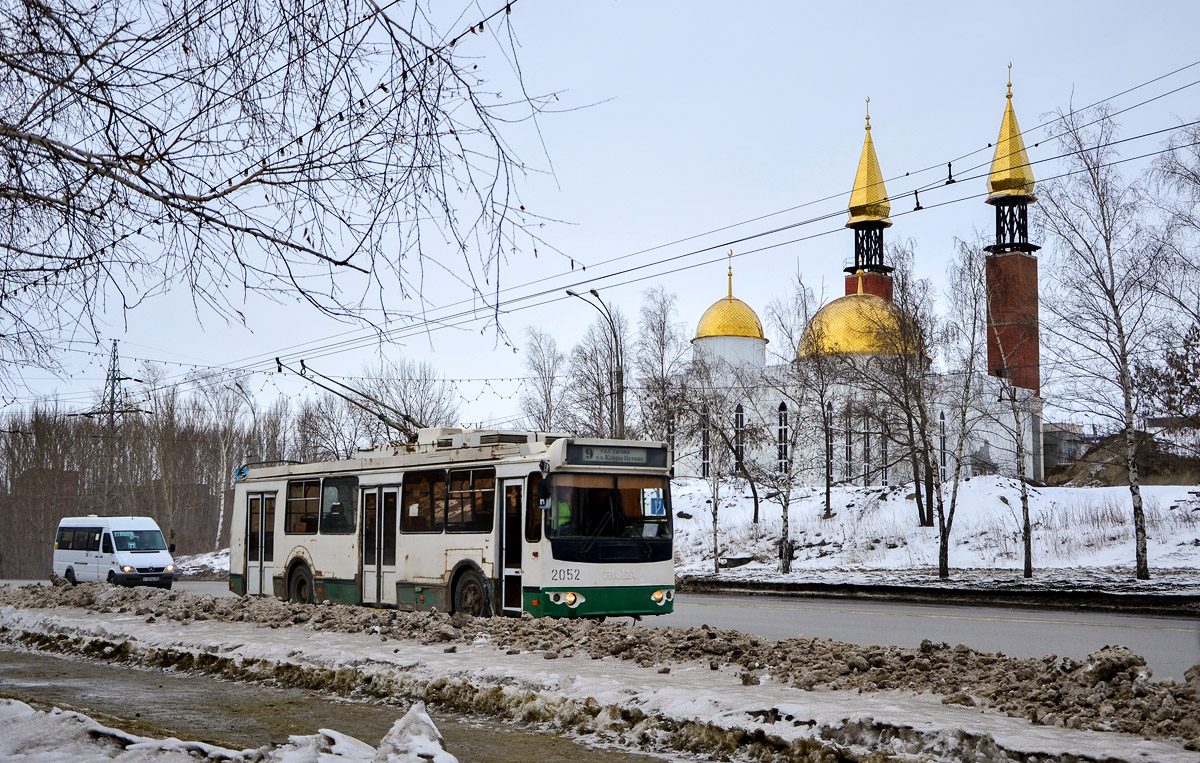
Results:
[93, 539]
[65, 534]
[108, 546]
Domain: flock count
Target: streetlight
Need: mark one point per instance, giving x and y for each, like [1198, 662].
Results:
[619, 371]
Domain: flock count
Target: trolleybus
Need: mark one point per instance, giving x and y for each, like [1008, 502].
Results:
[476, 521]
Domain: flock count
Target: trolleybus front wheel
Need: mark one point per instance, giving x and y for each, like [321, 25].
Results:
[470, 595]
[300, 590]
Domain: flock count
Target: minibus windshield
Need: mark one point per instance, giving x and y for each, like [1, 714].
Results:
[138, 540]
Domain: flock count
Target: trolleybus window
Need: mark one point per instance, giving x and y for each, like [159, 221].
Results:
[471, 504]
[300, 514]
[422, 502]
[603, 506]
[338, 500]
[533, 526]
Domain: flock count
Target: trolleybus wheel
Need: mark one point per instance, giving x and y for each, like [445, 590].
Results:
[70, 576]
[470, 595]
[301, 588]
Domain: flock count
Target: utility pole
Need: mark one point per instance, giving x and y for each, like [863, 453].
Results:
[619, 370]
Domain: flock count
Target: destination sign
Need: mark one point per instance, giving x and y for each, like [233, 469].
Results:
[611, 455]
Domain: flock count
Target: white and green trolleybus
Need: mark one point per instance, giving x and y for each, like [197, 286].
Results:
[476, 521]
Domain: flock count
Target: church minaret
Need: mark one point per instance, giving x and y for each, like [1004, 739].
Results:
[1012, 277]
[869, 209]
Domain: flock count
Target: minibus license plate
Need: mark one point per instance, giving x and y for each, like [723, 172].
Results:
[150, 579]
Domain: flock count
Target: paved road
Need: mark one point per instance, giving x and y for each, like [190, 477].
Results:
[1169, 645]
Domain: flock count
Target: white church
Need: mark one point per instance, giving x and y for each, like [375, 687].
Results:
[859, 404]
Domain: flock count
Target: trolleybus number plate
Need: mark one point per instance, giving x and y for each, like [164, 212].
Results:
[564, 575]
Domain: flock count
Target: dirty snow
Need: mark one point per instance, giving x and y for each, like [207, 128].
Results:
[697, 690]
[55, 736]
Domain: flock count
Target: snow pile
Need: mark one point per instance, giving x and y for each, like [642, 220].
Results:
[874, 529]
[64, 737]
[701, 690]
[212, 564]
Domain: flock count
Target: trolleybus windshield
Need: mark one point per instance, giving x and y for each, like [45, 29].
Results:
[608, 506]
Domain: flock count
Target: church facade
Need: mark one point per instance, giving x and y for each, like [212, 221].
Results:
[859, 402]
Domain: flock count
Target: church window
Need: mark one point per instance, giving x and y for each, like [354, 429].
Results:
[883, 456]
[866, 438]
[739, 436]
[705, 464]
[849, 447]
[942, 442]
[783, 437]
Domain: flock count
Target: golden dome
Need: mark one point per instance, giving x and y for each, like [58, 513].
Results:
[856, 324]
[868, 198]
[730, 317]
[1011, 175]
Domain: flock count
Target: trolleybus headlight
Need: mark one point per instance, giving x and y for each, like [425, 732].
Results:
[570, 598]
[127, 568]
[660, 597]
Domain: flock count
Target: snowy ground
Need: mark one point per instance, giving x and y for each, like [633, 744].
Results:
[36, 736]
[1082, 537]
[705, 692]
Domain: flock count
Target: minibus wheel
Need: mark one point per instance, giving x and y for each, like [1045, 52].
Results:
[112, 578]
[470, 595]
[70, 576]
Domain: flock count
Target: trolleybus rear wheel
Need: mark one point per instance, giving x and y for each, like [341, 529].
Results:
[470, 595]
[301, 589]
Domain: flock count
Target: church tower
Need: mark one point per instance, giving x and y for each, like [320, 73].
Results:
[1011, 268]
[869, 209]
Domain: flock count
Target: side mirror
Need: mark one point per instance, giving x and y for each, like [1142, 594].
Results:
[171, 548]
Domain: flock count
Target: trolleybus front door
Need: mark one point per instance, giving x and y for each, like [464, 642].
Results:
[379, 545]
[511, 550]
[260, 543]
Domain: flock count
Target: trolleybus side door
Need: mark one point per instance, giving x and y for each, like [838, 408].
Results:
[512, 549]
[379, 545]
[260, 543]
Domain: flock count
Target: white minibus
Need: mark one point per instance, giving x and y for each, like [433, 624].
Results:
[121, 550]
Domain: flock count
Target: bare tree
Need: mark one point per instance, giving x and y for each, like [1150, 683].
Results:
[816, 376]
[417, 390]
[543, 402]
[224, 401]
[659, 362]
[1104, 288]
[591, 400]
[245, 147]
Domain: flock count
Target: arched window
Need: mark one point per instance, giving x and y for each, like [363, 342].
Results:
[705, 463]
[942, 442]
[849, 445]
[883, 454]
[739, 435]
[782, 438]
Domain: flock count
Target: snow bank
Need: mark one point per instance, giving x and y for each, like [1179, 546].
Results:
[873, 535]
[66, 737]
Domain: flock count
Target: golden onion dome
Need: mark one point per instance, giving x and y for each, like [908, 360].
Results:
[1011, 175]
[730, 317]
[856, 324]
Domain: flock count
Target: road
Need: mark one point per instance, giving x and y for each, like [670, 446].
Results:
[1169, 645]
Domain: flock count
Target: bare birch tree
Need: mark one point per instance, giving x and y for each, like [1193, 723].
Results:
[543, 400]
[1103, 288]
[660, 358]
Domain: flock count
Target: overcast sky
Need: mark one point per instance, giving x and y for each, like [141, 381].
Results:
[687, 126]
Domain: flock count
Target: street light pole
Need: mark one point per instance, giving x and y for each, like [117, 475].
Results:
[619, 370]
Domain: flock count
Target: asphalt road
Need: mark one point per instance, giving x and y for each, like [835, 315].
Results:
[1170, 645]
